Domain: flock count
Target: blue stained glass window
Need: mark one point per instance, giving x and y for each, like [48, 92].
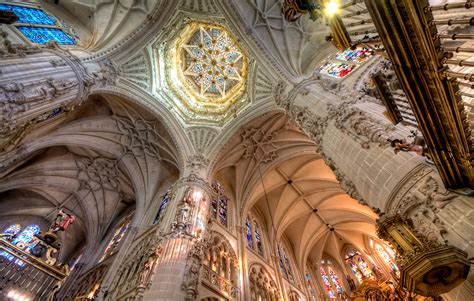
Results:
[282, 266]
[258, 239]
[25, 237]
[30, 15]
[288, 265]
[161, 211]
[335, 280]
[219, 203]
[249, 233]
[12, 229]
[41, 35]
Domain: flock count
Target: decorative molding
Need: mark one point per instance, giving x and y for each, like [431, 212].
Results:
[138, 136]
[137, 70]
[10, 50]
[98, 173]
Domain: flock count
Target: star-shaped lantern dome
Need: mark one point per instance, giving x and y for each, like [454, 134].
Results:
[206, 71]
[213, 62]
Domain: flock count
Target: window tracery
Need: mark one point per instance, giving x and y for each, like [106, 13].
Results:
[253, 235]
[39, 27]
[262, 286]
[285, 264]
[115, 241]
[388, 256]
[331, 281]
[358, 265]
[219, 204]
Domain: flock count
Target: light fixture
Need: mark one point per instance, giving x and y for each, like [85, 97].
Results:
[331, 8]
[14, 295]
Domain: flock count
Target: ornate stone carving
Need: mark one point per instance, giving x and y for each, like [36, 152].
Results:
[10, 137]
[13, 157]
[193, 270]
[261, 284]
[197, 162]
[259, 145]
[135, 274]
[98, 173]
[428, 267]
[16, 97]
[360, 126]
[139, 136]
[347, 185]
[107, 73]
[8, 49]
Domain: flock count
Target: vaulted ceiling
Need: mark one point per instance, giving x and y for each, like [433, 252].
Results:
[272, 166]
[91, 163]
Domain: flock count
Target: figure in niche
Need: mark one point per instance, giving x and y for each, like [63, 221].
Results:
[184, 209]
[61, 222]
[433, 198]
[418, 145]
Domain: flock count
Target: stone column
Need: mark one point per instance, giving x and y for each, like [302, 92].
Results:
[350, 131]
[176, 275]
[243, 264]
[39, 83]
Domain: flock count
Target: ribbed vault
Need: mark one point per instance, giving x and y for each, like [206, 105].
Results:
[274, 167]
[92, 163]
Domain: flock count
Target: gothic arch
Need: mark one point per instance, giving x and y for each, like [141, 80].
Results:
[262, 285]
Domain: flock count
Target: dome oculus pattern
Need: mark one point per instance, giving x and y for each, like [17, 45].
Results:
[212, 62]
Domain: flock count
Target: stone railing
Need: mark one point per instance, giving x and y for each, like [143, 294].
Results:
[27, 275]
[220, 283]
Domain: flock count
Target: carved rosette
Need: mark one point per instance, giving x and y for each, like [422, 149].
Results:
[428, 267]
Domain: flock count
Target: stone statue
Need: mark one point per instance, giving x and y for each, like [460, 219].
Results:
[433, 198]
[418, 145]
[61, 222]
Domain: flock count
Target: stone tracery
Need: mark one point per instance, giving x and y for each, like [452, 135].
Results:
[274, 159]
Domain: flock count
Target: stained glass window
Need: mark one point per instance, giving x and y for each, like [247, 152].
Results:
[288, 265]
[357, 55]
[336, 69]
[29, 15]
[327, 283]
[358, 266]
[285, 264]
[23, 240]
[258, 239]
[12, 229]
[164, 204]
[254, 236]
[49, 27]
[42, 35]
[219, 203]
[26, 236]
[390, 261]
[335, 280]
[114, 243]
[248, 228]
[354, 269]
[282, 266]
[309, 284]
